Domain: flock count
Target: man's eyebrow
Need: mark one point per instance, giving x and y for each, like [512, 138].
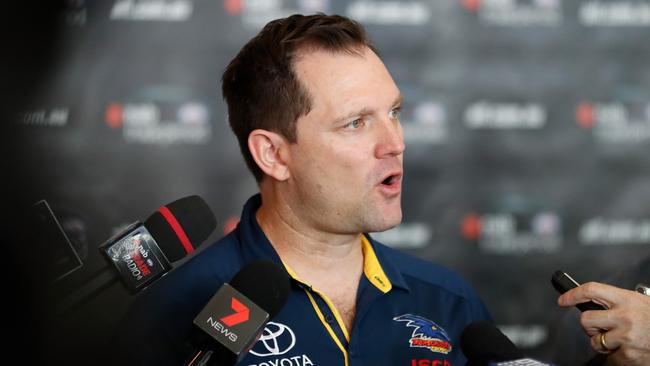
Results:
[365, 111]
[361, 112]
[398, 100]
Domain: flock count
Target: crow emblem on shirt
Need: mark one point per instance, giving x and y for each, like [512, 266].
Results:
[426, 334]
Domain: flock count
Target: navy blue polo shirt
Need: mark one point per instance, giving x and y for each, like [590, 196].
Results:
[409, 312]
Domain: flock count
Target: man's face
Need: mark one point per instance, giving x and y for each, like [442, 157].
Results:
[346, 166]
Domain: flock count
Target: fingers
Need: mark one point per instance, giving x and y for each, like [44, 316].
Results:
[618, 358]
[606, 342]
[593, 291]
[621, 332]
[628, 357]
[599, 320]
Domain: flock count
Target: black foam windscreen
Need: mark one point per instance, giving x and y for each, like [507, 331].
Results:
[482, 342]
[264, 283]
[194, 217]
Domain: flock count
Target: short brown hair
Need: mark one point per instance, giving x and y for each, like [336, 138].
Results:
[260, 85]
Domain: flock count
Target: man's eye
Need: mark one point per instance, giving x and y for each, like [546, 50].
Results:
[396, 112]
[354, 124]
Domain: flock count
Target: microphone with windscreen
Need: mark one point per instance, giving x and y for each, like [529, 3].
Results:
[485, 345]
[231, 322]
[143, 252]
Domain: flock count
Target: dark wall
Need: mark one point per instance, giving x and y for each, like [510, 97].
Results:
[527, 126]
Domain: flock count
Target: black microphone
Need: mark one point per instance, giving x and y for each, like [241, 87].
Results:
[231, 322]
[485, 345]
[143, 252]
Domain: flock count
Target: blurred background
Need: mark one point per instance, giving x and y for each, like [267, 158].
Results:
[527, 124]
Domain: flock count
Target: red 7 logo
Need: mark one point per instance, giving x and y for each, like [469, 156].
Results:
[240, 315]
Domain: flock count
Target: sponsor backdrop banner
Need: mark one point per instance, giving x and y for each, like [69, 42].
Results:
[527, 124]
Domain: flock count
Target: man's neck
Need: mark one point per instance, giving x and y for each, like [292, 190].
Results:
[302, 246]
[331, 263]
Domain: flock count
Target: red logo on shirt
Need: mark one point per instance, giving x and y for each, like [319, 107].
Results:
[425, 362]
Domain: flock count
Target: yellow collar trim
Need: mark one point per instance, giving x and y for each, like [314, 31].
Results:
[372, 268]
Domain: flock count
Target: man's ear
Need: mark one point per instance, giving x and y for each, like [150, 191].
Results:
[270, 151]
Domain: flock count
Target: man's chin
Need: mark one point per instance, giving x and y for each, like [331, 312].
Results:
[386, 223]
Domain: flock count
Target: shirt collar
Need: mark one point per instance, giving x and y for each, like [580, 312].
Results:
[379, 267]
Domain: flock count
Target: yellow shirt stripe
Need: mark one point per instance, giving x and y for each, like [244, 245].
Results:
[327, 326]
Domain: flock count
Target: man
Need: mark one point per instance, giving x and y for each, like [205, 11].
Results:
[316, 114]
[620, 334]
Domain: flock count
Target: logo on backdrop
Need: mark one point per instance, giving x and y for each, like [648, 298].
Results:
[615, 231]
[614, 13]
[501, 116]
[514, 234]
[516, 13]
[427, 334]
[615, 122]
[45, 117]
[389, 12]
[160, 123]
[255, 14]
[152, 10]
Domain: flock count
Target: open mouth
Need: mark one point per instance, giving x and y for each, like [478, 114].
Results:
[391, 180]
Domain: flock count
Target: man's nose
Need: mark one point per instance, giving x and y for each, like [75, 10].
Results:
[391, 140]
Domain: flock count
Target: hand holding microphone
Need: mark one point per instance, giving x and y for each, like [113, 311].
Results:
[622, 330]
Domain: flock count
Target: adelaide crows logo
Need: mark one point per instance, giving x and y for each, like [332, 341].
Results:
[427, 334]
